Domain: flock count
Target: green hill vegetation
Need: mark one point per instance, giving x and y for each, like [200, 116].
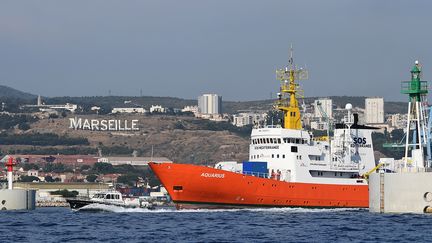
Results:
[8, 92]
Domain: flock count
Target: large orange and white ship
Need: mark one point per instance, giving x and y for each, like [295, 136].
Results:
[287, 166]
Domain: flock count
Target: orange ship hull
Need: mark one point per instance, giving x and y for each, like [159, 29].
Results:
[192, 186]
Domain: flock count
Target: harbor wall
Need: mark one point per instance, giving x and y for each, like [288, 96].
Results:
[409, 192]
[17, 199]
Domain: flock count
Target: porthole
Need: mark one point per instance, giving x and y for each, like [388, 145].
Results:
[427, 197]
[3, 202]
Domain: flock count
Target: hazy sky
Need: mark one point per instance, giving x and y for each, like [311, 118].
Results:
[185, 48]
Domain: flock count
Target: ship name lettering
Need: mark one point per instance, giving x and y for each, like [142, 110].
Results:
[212, 175]
[267, 147]
[318, 164]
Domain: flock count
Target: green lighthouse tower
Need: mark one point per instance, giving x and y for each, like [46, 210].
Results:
[416, 118]
[416, 89]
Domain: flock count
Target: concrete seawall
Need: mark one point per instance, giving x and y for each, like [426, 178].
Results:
[409, 192]
[17, 199]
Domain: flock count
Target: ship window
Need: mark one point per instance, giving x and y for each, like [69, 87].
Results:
[283, 156]
[268, 140]
[277, 156]
[297, 141]
[279, 140]
[294, 113]
[272, 155]
[294, 149]
[177, 188]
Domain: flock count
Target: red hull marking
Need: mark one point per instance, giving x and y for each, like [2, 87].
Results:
[186, 184]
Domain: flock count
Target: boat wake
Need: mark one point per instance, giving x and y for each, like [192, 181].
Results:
[95, 207]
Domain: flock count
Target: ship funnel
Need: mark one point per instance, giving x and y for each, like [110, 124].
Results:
[355, 119]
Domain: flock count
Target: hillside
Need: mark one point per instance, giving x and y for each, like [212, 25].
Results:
[182, 139]
[8, 92]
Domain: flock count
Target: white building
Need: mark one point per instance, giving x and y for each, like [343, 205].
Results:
[42, 107]
[319, 125]
[157, 108]
[374, 110]
[128, 110]
[243, 119]
[193, 109]
[33, 173]
[210, 104]
[323, 105]
[397, 121]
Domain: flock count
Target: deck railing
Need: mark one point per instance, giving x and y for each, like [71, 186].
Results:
[256, 174]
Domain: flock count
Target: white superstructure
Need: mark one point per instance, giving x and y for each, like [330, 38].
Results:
[297, 157]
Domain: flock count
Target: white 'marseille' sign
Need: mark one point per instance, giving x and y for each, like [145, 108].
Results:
[103, 125]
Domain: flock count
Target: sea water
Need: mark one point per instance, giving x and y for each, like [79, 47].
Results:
[115, 224]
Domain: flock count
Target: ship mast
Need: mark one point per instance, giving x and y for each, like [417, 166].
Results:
[287, 98]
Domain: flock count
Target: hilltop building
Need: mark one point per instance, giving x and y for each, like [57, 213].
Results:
[244, 119]
[210, 104]
[325, 106]
[43, 107]
[397, 121]
[193, 109]
[128, 110]
[157, 108]
[374, 110]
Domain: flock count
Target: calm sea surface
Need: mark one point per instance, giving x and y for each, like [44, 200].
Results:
[256, 225]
